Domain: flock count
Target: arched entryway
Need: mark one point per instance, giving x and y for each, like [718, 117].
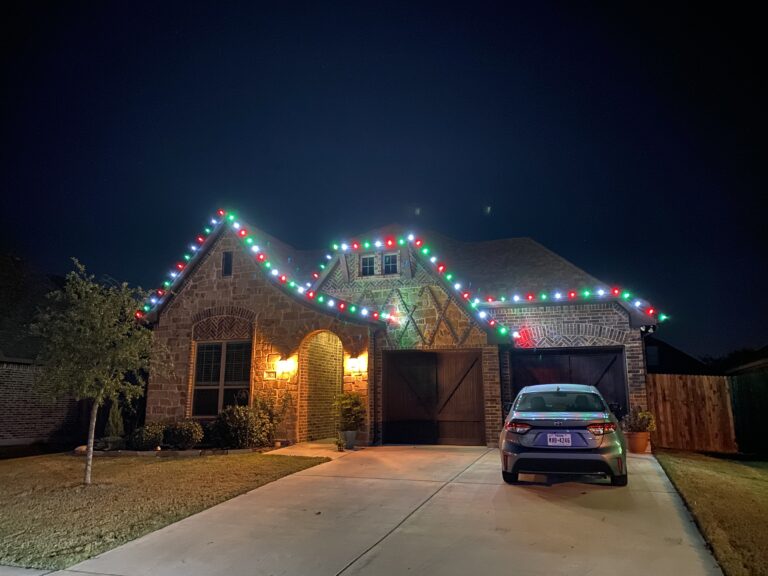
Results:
[321, 377]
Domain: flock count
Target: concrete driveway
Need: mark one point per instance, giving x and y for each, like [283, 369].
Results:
[426, 510]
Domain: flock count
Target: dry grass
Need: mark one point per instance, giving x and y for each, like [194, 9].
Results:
[729, 500]
[48, 519]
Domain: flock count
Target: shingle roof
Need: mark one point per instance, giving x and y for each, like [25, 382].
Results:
[500, 267]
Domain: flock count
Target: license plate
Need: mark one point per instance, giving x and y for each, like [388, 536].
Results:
[558, 439]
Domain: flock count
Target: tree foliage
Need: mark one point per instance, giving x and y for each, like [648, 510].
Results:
[92, 346]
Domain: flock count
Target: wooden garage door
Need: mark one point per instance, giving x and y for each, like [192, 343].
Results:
[601, 367]
[433, 398]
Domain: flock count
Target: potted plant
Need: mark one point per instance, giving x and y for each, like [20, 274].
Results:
[351, 416]
[637, 428]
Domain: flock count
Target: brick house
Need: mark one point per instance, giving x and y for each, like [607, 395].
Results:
[436, 334]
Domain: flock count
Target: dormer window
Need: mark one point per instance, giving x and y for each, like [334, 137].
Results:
[367, 265]
[390, 264]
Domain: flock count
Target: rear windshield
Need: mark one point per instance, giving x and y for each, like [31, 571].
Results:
[559, 402]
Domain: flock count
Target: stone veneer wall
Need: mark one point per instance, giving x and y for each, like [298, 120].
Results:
[577, 325]
[209, 307]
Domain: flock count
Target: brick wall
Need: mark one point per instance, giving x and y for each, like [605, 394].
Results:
[29, 413]
[324, 381]
[578, 325]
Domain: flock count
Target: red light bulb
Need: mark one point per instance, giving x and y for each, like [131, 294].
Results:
[342, 305]
[441, 268]
[651, 311]
[220, 212]
[311, 294]
[615, 291]
[315, 275]
[492, 322]
[571, 295]
[201, 239]
[242, 233]
[489, 299]
[161, 292]
[180, 266]
[466, 295]
[261, 257]
[138, 314]
[283, 279]
[390, 242]
[418, 242]
[529, 297]
[375, 315]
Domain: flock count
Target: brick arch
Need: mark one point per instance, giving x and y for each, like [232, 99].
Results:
[320, 378]
[234, 311]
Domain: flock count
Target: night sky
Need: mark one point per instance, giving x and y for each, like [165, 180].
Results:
[629, 139]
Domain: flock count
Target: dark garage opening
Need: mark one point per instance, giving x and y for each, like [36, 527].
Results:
[433, 398]
[603, 368]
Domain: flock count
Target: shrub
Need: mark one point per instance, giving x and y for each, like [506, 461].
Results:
[639, 421]
[184, 434]
[246, 427]
[351, 410]
[148, 437]
[114, 426]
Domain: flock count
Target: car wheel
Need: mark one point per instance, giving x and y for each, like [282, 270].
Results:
[509, 477]
[619, 480]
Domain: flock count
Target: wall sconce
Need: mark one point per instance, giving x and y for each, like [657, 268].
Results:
[356, 366]
[286, 367]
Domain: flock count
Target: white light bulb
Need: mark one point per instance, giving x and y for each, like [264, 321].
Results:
[344, 247]
[331, 303]
[236, 225]
[433, 259]
[275, 272]
[457, 286]
[173, 274]
[515, 334]
[477, 300]
[364, 312]
[601, 292]
[300, 289]
[638, 303]
[308, 284]
[328, 256]
[214, 221]
[411, 237]
[482, 314]
[153, 300]
[254, 249]
[558, 295]
[377, 243]
[516, 298]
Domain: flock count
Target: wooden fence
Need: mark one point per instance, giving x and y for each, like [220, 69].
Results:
[692, 412]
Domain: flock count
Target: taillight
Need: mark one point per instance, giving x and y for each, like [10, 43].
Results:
[600, 429]
[517, 427]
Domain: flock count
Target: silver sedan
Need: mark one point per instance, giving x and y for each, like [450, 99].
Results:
[562, 429]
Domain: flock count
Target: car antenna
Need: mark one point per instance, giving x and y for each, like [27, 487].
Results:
[557, 389]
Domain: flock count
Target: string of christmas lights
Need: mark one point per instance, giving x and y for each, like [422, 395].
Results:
[476, 304]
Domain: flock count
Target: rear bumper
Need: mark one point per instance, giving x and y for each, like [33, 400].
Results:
[609, 460]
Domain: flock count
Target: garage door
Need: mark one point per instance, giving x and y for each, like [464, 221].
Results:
[603, 368]
[433, 398]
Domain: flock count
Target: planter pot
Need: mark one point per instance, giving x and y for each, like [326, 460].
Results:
[350, 437]
[637, 442]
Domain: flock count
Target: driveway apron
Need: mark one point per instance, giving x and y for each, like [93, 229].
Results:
[426, 510]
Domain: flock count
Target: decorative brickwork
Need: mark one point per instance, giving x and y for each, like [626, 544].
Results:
[579, 325]
[31, 413]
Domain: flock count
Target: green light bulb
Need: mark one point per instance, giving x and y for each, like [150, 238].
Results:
[335, 246]
[586, 293]
[207, 230]
[268, 264]
[401, 241]
[502, 330]
[147, 307]
[320, 298]
[231, 217]
[322, 266]
[167, 283]
[425, 250]
[449, 276]
[366, 245]
[353, 309]
[291, 283]
[249, 240]
[543, 296]
[626, 295]
[187, 256]
[663, 317]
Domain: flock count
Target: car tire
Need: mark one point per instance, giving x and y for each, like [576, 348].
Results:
[619, 480]
[509, 477]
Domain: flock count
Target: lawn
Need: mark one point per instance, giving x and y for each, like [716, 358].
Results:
[48, 519]
[729, 500]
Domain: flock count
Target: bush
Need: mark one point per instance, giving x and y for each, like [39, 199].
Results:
[246, 427]
[148, 437]
[114, 427]
[351, 410]
[184, 434]
[639, 421]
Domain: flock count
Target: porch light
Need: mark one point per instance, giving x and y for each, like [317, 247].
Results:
[286, 367]
[356, 366]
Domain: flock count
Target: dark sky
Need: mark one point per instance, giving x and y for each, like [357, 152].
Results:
[627, 137]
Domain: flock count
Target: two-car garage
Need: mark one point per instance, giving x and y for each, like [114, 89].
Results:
[436, 397]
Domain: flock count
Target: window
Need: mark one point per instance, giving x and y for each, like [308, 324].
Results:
[559, 402]
[390, 263]
[367, 265]
[222, 377]
[226, 264]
